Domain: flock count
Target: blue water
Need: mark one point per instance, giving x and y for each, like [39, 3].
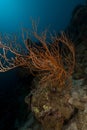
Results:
[15, 14]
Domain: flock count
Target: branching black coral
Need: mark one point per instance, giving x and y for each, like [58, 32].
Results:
[53, 61]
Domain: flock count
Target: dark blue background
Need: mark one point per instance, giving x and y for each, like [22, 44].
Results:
[15, 14]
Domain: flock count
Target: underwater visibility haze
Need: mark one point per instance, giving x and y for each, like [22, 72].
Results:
[15, 15]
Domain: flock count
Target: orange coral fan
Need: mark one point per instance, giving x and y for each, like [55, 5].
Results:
[53, 61]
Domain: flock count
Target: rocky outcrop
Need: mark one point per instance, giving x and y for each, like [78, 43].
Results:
[65, 110]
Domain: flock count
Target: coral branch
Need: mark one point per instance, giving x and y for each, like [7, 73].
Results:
[53, 61]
